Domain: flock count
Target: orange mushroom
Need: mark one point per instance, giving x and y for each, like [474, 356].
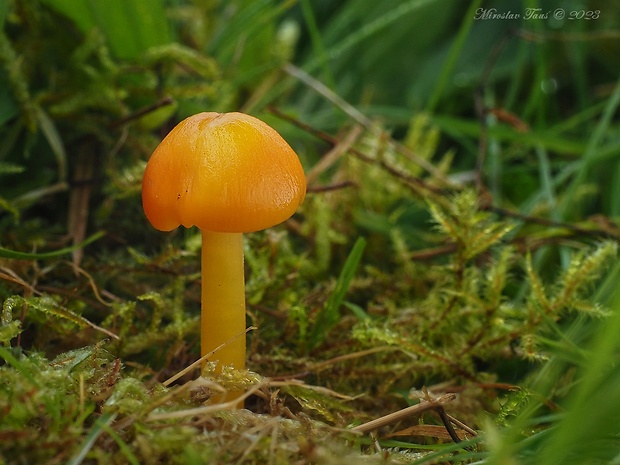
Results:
[227, 174]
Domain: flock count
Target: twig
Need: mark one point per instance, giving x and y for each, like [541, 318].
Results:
[318, 367]
[428, 254]
[552, 223]
[330, 95]
[330, 187]
[91, 282]
[461, 425]
[567, 36]
[423, 406]
[416, 184]
[358, 116]
[610, 231]
[141, 112]
[447, 423]
[447, 420]
[333, 155]
[204, 358]
[10, 275]
[350, 356]
[230, 405]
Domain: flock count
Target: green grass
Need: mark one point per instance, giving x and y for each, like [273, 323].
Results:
[491, 274]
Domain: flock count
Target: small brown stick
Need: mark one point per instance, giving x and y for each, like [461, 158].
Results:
[429, 254]
[448, 420]
[79, 199]
[416, 184]
[461, 425]
[316, 368]
[142, 111]
[447, 423]
[608, 230]
[423, 406]
[433, 431]
[333, 155]
[205, 357]
[358, 116]
[330, 187]
[532, 36]
[557, 224]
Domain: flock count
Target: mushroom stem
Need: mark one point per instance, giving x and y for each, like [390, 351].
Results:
[223, 299]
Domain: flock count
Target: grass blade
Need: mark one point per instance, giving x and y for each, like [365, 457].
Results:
[367, 30]
[590, 152]
[453, 56]
[329, 315]
[317, 42]
[130, 28]
[93, 435]
[590, 414]
[6, 253]
[124, 449]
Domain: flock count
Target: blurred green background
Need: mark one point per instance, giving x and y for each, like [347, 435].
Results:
[72, 71]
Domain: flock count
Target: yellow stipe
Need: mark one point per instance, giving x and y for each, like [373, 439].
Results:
[223, 301]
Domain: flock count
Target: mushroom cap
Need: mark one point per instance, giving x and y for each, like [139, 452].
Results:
[222, 172]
